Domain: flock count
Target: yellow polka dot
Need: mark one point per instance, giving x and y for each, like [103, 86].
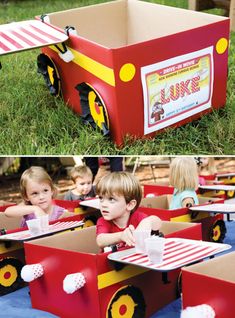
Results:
[221, 45]
[127, 72]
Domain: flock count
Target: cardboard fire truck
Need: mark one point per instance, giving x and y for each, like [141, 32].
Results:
[11, 246]
[214, 282]
[103, 288]
[87, 214]
[130, 71]
[213, 225]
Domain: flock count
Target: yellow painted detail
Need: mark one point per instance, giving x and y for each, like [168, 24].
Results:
[216, 233]
[113, 277]
[88, 223]
[13, 275]
[14, 246]
[128, 302]
[101, 71]
[230, 193]
[127, 72]
[98, 118]
[221, 45]
[80, 211]
[187, 217]
[50, 73]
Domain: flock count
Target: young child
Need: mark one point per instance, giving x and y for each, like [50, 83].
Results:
[82, 178]
[37, 191]
[206, 166]
[184, 179]
[120, 195]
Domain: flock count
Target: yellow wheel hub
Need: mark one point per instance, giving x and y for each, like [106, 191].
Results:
[216, 233]
[8, 275]
[124, 307]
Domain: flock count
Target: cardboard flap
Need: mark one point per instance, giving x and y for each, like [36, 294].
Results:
[9, 223]
[26, 35]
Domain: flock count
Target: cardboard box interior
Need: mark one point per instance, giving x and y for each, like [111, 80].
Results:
[221, 267]
[84, 240]
[12, 223]
[163, 201]
[120, 23]
[9, 223]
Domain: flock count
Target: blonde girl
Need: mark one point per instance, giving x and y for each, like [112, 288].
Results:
[184, 179]
[37, 191]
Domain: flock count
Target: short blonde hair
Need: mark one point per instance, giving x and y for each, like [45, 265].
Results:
[80, 172]
[183, 173]
[120, 183]
[36, 174]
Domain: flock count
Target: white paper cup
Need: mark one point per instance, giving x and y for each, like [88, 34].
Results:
[34, 226]
[155, 249]
[44, 223]
[140, 236]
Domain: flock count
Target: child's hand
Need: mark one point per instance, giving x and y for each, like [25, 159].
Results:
[38, 211]
[127, 236]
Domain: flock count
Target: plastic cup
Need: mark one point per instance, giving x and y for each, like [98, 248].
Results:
[155, 249]
[140, 236]
[34, 226]
[44, 223]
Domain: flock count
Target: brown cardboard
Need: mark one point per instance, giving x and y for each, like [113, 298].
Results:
[220, 267]
[117, 23]
[9, 223]
[79, 241]
[85, 240]
[163, 201]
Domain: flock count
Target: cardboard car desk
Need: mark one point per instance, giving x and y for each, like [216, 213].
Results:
[213, 226]
[78, 280]
[11, 247]
[86, 212]
[128, 79]
[214, 284]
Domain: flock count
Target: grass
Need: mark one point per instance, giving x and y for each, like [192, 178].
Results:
[33, 122]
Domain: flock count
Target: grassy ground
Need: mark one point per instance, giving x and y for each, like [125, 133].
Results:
[33, 122]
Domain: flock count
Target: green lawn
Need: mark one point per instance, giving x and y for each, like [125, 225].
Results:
[33, 122]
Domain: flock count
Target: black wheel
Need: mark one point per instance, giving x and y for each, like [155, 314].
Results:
[10, 279]
[218, 231]
[94, 112]
[127, 302]
[47, 68]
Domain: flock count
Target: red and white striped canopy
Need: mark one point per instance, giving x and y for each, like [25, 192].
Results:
[177, 253]
[25, 35]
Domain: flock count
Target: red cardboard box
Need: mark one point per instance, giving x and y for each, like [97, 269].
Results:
[135, 80]
[109, 291]
[212, 283]
[213, 226]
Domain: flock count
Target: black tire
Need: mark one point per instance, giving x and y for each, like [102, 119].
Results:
[47, 68]
[132, 295]
[10, 279]
[94, 112]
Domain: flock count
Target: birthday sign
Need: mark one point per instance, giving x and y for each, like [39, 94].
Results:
[177, 88]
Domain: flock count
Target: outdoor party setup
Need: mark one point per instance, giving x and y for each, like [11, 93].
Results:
[122, 77]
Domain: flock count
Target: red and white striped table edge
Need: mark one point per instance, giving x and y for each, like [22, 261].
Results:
[177, 253]
[25, 35]
[53, 228]
[223, 208]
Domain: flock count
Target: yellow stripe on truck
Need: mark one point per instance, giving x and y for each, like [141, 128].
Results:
[113, 277]
[101, 71]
